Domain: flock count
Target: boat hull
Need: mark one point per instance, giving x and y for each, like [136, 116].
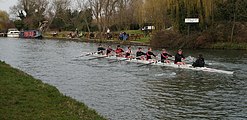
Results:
[158, 63]
[13, 33]
[31, 34]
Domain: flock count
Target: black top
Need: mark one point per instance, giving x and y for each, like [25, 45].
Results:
[199, 63]
[178, 58]
[149, 54]
[101, 48]
[140, 53]
[164, 56]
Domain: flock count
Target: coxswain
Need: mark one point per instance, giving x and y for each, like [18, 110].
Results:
[149, 54]
[101, 49]
[164, 56]
[109, 51]
[178, 58]
[139, 54]
[128, 53]
[199, 61]
[119, 51]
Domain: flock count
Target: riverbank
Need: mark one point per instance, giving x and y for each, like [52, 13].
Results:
[23, 97]
[99, 41]
[205, 40]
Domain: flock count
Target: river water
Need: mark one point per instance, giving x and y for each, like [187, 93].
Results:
[124, 91]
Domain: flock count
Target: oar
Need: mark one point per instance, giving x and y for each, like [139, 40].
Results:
[146, 64]
[87, 54]
[119, 60]
[97, 58]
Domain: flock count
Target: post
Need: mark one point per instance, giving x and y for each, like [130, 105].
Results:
[190, 21]
[188, 29]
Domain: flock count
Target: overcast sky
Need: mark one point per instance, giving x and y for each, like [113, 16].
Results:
[5, 4]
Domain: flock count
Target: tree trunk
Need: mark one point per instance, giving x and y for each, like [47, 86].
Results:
[233, 27]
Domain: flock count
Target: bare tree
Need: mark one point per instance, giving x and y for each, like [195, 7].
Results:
[56, 9]
[83, 6]
[32, 12]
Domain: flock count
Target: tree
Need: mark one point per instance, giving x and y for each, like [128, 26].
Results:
[85, 15]
[31, 12]
[231, 11]
[4, 19]
[57, 13]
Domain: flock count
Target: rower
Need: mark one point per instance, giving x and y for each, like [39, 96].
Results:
[199, 62]
[119, 51]
[109, 51]
[128, 53]
[149, 54]
[178, 58]
[101, 49]
[140, 54]
[164, 56]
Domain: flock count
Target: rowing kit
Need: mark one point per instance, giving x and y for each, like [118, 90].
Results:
[158, 63]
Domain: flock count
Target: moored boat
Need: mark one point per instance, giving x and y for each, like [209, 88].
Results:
[31, 34]
[13, 32]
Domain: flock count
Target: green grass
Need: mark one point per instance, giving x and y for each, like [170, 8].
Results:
[23, 97]
[237, 46]
[134, 32]
[144, 40]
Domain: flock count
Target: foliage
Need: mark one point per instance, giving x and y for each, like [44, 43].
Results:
[19, 24]
[30, 12]
[225, 11]
[4, 19]
[121, 15]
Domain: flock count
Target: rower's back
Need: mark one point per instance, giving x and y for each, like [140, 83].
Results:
[199, 62]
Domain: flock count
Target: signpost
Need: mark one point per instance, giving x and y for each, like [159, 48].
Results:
[191, 21]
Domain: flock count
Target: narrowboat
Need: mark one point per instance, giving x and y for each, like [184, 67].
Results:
[31, 34]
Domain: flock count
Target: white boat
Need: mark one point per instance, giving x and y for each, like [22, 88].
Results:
[153, 62]
[13, 32]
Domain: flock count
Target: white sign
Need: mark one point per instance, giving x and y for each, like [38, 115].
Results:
[191, 20]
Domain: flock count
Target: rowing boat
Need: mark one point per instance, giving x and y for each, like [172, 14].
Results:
[158, 63]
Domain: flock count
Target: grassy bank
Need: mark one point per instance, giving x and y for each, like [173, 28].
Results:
[23, 97]
[198, 40]
[236, 46]
[141, 40]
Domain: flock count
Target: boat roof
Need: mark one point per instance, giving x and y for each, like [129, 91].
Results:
[13, 29]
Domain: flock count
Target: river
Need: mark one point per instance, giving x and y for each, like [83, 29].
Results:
[124, 91]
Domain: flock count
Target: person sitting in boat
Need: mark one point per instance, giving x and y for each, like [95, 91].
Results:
[178, 58]
[199, 62]
[119, 51]
[128, 53]
[140, 54]
[109, 51]
[164, 56]
[149, 54]
[101, 49]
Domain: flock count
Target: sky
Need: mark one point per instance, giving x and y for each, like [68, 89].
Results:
[5, 4]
